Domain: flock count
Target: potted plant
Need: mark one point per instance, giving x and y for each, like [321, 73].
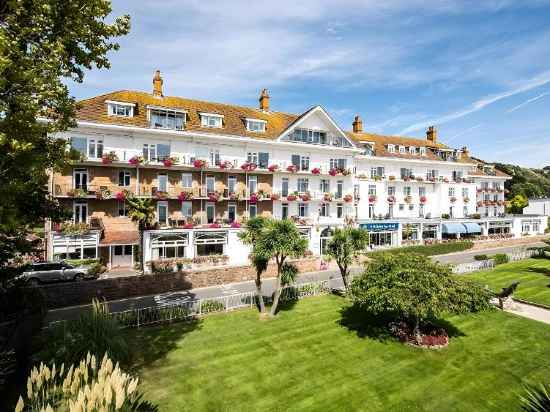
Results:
[408, 199]
[136, 160]
[170, 161]
[348, 198]
[327, 197]
[199, 164]
[121, 196]
[452, 199]
[292, 169]
[423, 199]
[235, 225]
[188, 225]
[249, 166]
[291, 197]
[273, 168]
[275, 196]
[253, 198]
[109, 158]
[213, 196]
[391, 177]
[466, 199]
[345, 172]
[316, 171]
[226, 164]
[160, 195]
[372, 198]
[214, 226]
[391, 199]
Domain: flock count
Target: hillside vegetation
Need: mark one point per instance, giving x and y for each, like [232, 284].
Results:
[526, 181]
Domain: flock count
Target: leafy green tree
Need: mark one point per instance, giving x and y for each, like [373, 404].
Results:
[141, 211]
[344, 247]
[517, 204]
[249, 236]
[416, 289]
[279, 240]
[43, 43]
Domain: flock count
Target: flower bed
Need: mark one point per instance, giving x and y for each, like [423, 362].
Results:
[431, 336]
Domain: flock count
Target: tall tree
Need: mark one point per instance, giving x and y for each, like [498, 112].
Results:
[249, 236]
[517, 204]
[43, 43]
[344, 247]
[279, 240]
[142, 211]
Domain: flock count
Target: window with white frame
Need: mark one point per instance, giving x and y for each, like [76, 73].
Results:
[210, 212]
[402, 149]
[422, 151]
[304, 163]
[252, 157]
[412, 150]
[376, 172]
[303, 184]
[80, 144]
[406, 173]
[339, 210]
[150, 152]
[252, 184]
[391, 148]
[120, 109]
[339, 189]
[451, 191]
[162, 213]
[231, 212]
[187, 180]
[95, 148]
[167, 119]
[391, 190]
[211, 120]
[253, 210]
[432, 174]
[303, 209]
[231, 183]
[124, 177]
[421, 191]
[324, 185]
[338, 163]
[465, 211]
[284, 211]
[122, 208]
[255, 125]
[187, 209]
[464, 192]
[214, 157]
[324, 211]
[372, 190]
[371, 211]
[309, 136]
[407, 191]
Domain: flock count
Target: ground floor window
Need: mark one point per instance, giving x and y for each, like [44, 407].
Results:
[326, 236]
[61, 253]
[497, 228]
[168, 246]
[429, 232]
[380, 239]
[209, 249]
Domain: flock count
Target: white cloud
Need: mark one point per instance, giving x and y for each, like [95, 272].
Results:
[526, 102]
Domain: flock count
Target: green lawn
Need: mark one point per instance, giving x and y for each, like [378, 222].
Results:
[533, 275]
[306, 359]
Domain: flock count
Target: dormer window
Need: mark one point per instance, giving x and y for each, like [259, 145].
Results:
[255, 125]
[164, 118]
[422, 151]
[402, 149]
[412, 150]
[211, 120]
[121, 109]
[391, 148]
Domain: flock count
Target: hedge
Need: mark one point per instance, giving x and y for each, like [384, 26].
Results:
[428, 250]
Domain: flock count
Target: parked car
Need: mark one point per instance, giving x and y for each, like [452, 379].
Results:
[51, 272]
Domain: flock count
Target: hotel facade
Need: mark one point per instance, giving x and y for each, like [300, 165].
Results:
[210, 166]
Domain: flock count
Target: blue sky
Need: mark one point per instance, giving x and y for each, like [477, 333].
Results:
[478, 70]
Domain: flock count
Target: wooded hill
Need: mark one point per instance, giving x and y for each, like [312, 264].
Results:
[525, 181]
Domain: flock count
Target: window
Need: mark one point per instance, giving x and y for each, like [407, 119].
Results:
[457, 175]
[407, 191]
[214, 157]
[338, 163]
[324, 211]
[255, 125]
[464, 192]
[422, 151]
[411, 206]
[339, 189]
[167, 119]
[309, 136]
[252, 184]
[162, 182]
[149, 152]
[371, 212]
[122, 208]
[211, 120]
[390, 210]
[303, 209]
[465, 211]
[80, 212]
[420, 210]
[80, 144]
[187, 209]
[210, 212]
[120, 109]
[263, 160]
[421, 191]
[210, 184]
[284, 186]
[339, 210]
[124, 177]
[95, 148]
[391, 148]
[303, 185]
[402, 149]
[163, 152]
[170, 246]
[304, 164]
[162, 212]
[451, 191]
[187, 180]
[406, 173]
[324, 185]
[376, 172]
[451, 211]
[253, 210]
[412, 150]
[401, 207]
[284, 211]
[231, 183]
[372, 190]
[432, 174]
[80, 179]
[391, 190]
[231, 212]
[252, 157]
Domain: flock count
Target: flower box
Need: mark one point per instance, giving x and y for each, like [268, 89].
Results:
[249, 166]
[78, 193]
[235, 225]
[466, 200]
[169, 162]
[345, 172]
[188, 226]
[423, 199]
[185, 196]
[226, 164]
[348, 198]
[391, 178]
[199, 164]
[253, 198]
[213, 197]
[391, 199]
[121, 196]
[291, 198]
[109, 158]
[214, 226]
[292, 169]
[333, 172]
[452, 199]
[275, 196]
[316, 171]
[136, 160]
[372, 198]
[273, 168]
[305, 197]
[408, 199]
[161, 195]
[327, 197]
[419, 179]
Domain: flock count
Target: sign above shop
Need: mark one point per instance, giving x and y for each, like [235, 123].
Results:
[380, 227]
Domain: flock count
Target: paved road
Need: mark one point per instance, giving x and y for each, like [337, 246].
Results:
[467, 257]
[171, 298]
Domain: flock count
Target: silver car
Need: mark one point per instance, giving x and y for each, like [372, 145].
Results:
[50, 272]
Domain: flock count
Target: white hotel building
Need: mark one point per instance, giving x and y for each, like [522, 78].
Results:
[209, 166]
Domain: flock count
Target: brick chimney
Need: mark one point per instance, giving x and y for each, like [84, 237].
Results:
[465, 152]
[157, 84]
[357, 125]
[431, 134]
[264, 100]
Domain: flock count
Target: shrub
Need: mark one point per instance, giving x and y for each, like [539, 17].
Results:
[481, 257]
[82, 262]
[96, 269]
[162, 266]
[212, 305]
[429, 250]
[501, 258]
[95, 332]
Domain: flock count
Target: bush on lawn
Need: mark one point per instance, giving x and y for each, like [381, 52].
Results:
[95, 332]
[481, 257]
[212, 305]
[96, 269]
[429, 250]
[501, 258]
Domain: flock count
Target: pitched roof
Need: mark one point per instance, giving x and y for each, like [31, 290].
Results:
[234, 123]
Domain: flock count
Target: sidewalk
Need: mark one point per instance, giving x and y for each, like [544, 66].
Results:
[530, 311]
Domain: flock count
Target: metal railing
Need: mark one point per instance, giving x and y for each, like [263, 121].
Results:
[490, 263]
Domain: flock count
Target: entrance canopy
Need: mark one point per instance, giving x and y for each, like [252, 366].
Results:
[453, 228]
[472, 227]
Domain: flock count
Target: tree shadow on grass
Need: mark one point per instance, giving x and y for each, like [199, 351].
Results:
[151, 343]
[369, 325]
[542, 271]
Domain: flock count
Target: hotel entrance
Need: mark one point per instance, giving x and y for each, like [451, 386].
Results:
[382, 235]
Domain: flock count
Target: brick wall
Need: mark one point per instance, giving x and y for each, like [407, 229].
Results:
[69, 294]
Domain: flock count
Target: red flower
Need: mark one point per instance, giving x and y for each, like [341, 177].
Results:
[291, 198]
[106, 160]
[273, 168]
[391, 199]
[348, 198]
[188, 226]
[226, 164]
[292, 169]
[253, 198]
[305, 197]
[235, 225]
[214, 226]
[275, 196]
[213, 197]
[185, 196]
[316, 171]
[136, 160]
[249, 166]
[333, 172]
[423, 199]
[168, 162]
[120, 196]
[372, 198]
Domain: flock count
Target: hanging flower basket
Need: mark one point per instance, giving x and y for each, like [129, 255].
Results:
[185, 196]
[316, 171]
[466, 199]
[249, 166]
[305, 197]
[333, 172]
[121, 196]
[372, 198]
[348, 198]
[226, 164]
[327, 197]
[136, 160]
[423, 199]
[391, 199]
[292, 169]
[199, 164]
[214, 226]
[408, 199]
[273, 168]
[291, 198]
[452, 199]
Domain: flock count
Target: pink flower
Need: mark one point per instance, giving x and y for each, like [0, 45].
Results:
[120, 196]
[316, 171]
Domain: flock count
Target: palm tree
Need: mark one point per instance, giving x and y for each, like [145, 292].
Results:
[141, 211]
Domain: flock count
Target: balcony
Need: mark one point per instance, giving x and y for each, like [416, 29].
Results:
[90, 191]
[314, 196]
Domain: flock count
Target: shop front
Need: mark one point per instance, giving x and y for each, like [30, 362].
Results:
[382, 235]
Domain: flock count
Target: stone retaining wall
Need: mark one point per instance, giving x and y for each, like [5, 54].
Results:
[78, 293]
